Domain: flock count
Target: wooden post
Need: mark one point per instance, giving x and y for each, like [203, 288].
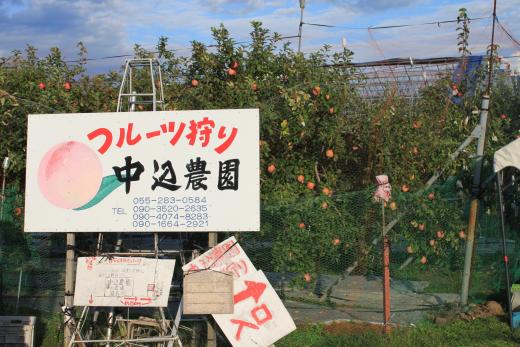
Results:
[212, 335]
[69, 288]
[386, 274]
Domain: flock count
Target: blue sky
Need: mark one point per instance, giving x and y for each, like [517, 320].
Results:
[111, 27]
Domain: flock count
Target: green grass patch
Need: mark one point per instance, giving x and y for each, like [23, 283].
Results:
[444, 280]
[487, 332]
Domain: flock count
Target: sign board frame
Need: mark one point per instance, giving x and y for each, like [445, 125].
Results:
[165, 171]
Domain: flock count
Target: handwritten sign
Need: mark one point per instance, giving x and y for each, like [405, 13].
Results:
[124, 282]
[227, 256]
[259, 318]
[143, 171]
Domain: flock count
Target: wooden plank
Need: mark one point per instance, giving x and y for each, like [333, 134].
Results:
[208, 292]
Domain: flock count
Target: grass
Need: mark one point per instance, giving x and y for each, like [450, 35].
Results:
[488, 332]
[444, 280]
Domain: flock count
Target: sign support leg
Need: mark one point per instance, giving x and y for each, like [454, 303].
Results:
[69, 288]
[212, 335]
[117, 248]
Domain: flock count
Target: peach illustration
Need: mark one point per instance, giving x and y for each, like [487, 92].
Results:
[70, 175]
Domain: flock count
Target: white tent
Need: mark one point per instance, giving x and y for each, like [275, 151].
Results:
[508, 155]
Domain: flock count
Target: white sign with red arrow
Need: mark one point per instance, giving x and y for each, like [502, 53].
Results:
[260, 318]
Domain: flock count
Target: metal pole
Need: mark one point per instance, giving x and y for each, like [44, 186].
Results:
[69, 287]
[472, 221]
[19, 289]
[386, 273]
[212, 335]
[470, 239]
[302, 7]
[117, 248]
[504, 248]
[3, 188]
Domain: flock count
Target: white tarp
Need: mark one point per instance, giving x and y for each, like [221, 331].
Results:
[143, 171]
[508, 155]
[123, 281]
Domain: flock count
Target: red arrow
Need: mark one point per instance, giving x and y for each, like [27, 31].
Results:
[254, 289]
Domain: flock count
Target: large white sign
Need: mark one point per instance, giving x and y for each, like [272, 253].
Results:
[126, 282]
[143, 171]
[259, 317]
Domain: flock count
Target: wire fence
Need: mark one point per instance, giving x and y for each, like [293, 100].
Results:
[322, 254]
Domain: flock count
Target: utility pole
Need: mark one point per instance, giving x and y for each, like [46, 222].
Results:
[302, 7]
[475, 191]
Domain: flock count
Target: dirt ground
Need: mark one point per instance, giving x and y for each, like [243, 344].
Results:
[351, 328]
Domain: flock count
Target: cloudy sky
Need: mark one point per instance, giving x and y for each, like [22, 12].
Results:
[112, 27]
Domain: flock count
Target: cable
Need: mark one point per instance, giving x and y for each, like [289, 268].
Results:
[508, 33]
[438, 23]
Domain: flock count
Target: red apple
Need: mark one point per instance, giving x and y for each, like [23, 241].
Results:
[234, 65]
[329, 153]
[194, 83]
[440, 234]
[421, 227]
[316, 90]
[405, 188]
[41, 85]
[271, 168]
[431, 196]
[67, 86]
[336, 242]
[301, 178]
[310, 185]
[432, 243]
[424, 260]
[462, 234]
[301, 225]
[307, 277]
[232, 72]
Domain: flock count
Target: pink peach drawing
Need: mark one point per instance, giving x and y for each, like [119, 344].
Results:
[70, 175]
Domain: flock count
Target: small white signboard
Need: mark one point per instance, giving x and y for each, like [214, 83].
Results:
[143, 171]
[123, 281]
[259, 318]
[227, 256]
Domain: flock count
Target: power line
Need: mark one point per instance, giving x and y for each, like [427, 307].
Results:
[508, 33]
[438, 23]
